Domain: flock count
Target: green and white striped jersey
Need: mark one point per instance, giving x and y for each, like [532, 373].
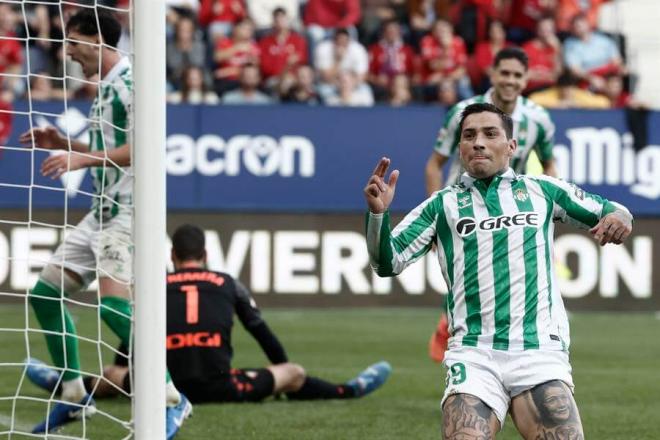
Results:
[532, 127]
[110, 128]
[495, 251]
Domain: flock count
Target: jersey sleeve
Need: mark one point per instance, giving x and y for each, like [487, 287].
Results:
[248, 313]
[246, 307]
[448, 136]
[545, 138]
[391, 251]
[573, 205]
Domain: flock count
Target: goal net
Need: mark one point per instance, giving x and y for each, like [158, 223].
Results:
[51, 211]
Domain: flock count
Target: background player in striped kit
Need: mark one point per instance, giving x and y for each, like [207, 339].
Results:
[508, 350]
[532, 128]
[100, 245]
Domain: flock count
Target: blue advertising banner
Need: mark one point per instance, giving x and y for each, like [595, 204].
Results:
[289, 158]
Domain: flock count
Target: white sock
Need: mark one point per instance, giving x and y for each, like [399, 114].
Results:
[73, 390]
[172, 395]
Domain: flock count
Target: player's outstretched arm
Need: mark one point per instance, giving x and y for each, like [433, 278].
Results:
[55, 166]
[49, 138]
[250, 316]
[378, 193]
[613, 228]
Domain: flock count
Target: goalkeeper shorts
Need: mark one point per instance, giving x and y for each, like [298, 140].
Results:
[240, 385]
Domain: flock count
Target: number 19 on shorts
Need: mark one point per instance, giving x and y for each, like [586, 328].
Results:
[455, 374]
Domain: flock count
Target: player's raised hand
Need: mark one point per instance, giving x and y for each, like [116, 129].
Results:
[613, 228]
[379, 194]
[48, 138]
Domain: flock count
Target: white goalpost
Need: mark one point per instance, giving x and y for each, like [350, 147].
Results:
[37, 215]
[150, 222]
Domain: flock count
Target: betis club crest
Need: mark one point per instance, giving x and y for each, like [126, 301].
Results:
[520, 195]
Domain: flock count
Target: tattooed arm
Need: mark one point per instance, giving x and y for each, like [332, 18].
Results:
[465, 417]
[547, 412]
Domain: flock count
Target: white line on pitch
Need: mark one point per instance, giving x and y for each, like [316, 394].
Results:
[18, 426]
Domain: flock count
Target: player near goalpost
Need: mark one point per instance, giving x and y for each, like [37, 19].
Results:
[100, 245]
[532, 128]
[494, 232]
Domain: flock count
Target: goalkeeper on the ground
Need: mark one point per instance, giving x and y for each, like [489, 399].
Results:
[200, 309]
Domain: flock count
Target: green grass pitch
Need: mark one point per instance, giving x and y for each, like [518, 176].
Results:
[615, 357]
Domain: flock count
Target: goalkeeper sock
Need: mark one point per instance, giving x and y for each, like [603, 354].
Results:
[316, 389]
[46, 301]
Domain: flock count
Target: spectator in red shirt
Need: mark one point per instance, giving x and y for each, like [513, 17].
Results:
[544, 53]
[220, 15]
[443, 56]
[484, 54]
[524, 15]
[323, 17]
[11, 53]
[282, 51]
[231, 54]
[6, 118]
[389, 58]
[615, 91]
[566, 11]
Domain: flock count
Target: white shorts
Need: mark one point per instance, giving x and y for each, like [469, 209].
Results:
[496, 376]
[92, 249]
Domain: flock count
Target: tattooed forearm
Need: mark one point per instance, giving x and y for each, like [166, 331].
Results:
[558, 417]
[466, 418]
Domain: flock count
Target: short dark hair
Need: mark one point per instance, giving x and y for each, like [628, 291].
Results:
[341, 31]
[507, 122]
[279, 10]
[85, 22]
[188, 243]
[511, 53]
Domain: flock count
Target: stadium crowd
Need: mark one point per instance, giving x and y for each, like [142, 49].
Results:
[337, 52]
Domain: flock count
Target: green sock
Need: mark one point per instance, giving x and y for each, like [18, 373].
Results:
[116, 312]
[112, 309]
[51, 312]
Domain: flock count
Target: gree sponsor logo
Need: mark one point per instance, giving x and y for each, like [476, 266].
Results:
[468, 225]
[198, 339]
